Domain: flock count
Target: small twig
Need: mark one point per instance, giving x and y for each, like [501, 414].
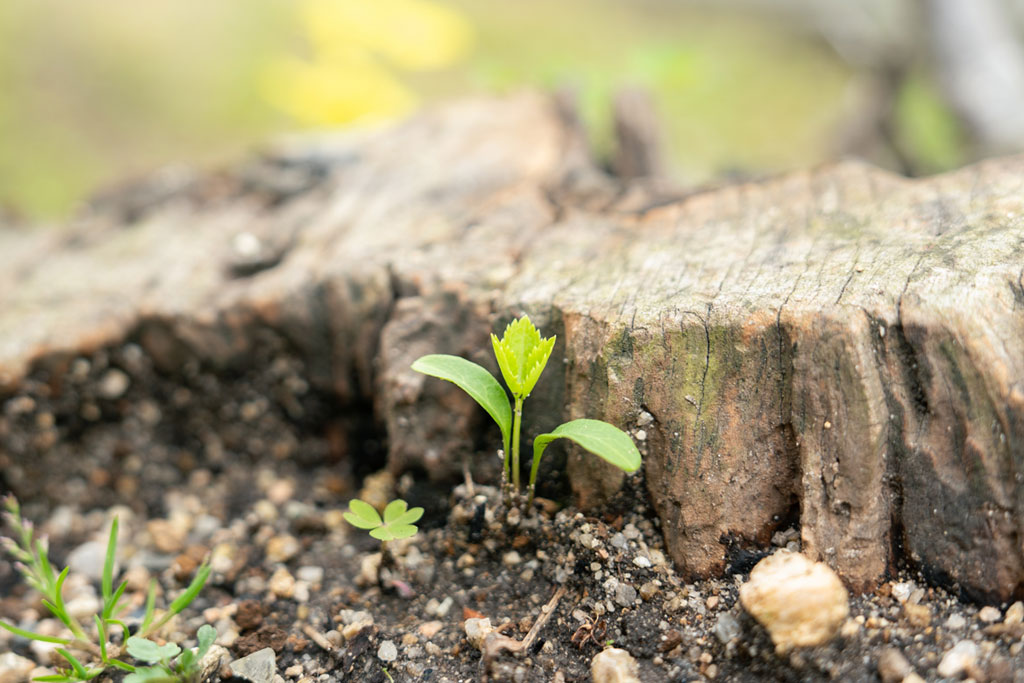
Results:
[546, 612]
[470, 489]
[495, 643]
[317, 637]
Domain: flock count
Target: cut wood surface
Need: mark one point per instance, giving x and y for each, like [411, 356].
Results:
[839, 348]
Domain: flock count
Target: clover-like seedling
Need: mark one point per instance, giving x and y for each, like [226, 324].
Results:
[398, 521]
[168, 663]
[522, 354]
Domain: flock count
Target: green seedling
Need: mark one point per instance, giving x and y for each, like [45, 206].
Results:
[522, 355]
[32, 561]
[399, 521]
[168, 663]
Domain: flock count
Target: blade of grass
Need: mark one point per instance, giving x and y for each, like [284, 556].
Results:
[45, 570]
[186, 598]
[57, 612]
[124, 628]
[124, 666]
[183, 600]
[75, 664]
[107, 586]
[150, 607]
[33, 636]
[101, 632]
[115, 598]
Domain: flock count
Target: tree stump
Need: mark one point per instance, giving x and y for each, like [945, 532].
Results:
[840, 348]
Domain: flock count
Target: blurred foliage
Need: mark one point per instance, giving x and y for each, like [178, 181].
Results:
[94, 90]
[357, 46]
[931, 133]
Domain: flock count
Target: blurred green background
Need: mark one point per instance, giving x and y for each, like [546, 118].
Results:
[93, 91]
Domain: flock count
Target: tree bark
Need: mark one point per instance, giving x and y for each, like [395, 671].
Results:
[841, 348]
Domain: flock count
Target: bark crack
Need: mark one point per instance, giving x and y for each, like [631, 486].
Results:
[707, 363]
[849, 278]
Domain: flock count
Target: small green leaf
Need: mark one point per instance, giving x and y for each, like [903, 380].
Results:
[205, 635]
[395, 532]
[185, 660]
[147, 651]
[476, 382]
[522, 354]
[394, 510]
[600, 438]
[362, 515]
[396, 514]
[399, 531]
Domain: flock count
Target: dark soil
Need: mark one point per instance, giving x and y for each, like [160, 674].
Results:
[252, 468]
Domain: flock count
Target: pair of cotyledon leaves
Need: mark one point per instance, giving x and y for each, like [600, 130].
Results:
[398, 521]
[522, 355]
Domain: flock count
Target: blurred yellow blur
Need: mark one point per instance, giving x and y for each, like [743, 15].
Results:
[92, 91]
[358, 48]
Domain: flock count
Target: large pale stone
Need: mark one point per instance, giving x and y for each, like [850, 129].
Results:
[800, 602]
[613, 665]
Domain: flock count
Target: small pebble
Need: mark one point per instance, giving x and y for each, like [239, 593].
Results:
[14, 668]
[625, 595]
[1014, 613]
[893, 667]
[113, 384]
[727, 628]
[310, 574]
[369, 569]
[388, 651]
[917, 615]
[83, 607]
[429, 629]
[439, 609]
[958, 659]
[259, 667]
[955, 622]
[902, 590]
[641, 561]
[282, 548]
[88, 559]
[282, 583]
[648, 590]
[281, 491]
[989, 614]
[476, 630]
